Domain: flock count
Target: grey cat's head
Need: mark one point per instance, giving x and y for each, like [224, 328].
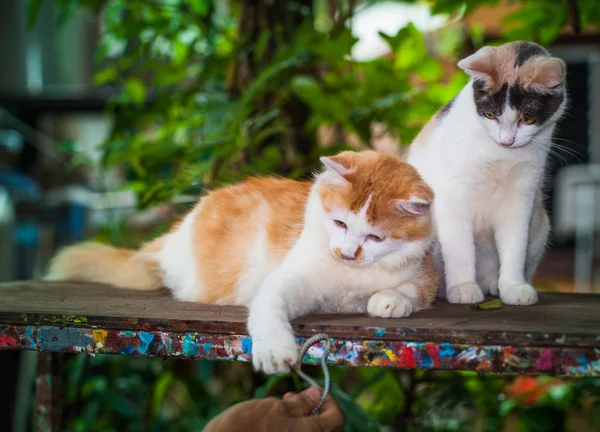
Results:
[518, 90]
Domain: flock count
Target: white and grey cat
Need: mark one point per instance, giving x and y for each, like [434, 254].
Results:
[484, 155]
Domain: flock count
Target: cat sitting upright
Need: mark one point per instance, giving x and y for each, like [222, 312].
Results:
[484, 155]
[355, 239]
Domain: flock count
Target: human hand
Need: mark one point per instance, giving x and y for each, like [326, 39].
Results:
[290, 414]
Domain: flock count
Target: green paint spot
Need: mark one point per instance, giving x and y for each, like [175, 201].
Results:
[490, 305]
[64, 319]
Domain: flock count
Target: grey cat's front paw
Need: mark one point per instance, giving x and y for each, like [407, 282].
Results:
[468, 293]
[520, 294]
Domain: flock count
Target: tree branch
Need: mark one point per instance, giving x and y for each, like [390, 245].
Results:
[574, 15]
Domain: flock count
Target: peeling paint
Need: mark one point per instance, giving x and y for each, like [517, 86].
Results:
[574, 361]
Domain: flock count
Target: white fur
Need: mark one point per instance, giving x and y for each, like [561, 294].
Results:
[178, 264]
[311, 279]
[259, 265]
[507, 130]
[488, 201]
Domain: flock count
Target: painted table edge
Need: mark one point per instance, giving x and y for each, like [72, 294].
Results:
[531, 360]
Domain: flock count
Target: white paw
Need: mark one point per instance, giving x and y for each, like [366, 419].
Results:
[274, 354]
[521, 294]
[389, 304]
[468, 293]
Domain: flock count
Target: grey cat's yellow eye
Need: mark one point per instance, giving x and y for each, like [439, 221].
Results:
[489, 115]
[527, 119]
[375, 238]
[340, 224]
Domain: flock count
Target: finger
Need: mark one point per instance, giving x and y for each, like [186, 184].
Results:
[329, 417]
[302, 404]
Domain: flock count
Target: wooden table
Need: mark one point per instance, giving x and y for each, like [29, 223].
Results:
[558, 336]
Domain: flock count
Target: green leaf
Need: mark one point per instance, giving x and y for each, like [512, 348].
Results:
[136, 90]
[199, 6]
[180, 52]
[161, 387]
[357, 419]
[106, 75]
[33, 10]
[265, 389]
[489, 305]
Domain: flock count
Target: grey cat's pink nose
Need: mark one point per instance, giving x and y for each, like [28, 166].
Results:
[348, 257]
[508, 142]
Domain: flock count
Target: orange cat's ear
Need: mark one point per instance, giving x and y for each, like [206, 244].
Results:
[481, 65]
[414, 205]
[335, 170]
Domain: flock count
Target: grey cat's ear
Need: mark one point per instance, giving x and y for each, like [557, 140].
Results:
[546, 73]
[481, 65]
[334, 171]
[413, 205]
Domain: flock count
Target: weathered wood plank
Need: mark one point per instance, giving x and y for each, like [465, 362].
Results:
[558, 319]
[559, 336]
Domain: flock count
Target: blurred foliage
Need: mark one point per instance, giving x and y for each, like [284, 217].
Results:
[211, 91]
[114, 393]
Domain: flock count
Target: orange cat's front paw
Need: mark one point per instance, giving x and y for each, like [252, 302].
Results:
[389, 304]
[275, 354]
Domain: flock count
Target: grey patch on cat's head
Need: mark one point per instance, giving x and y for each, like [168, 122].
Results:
[528, 102]
[526, 50]
[521, 75]
[487, 102]
[444, 110]
[540, 106]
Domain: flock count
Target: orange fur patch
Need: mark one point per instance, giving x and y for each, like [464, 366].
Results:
[384, 178]
[228, 221]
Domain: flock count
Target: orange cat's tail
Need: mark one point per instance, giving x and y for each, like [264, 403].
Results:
[98, 263]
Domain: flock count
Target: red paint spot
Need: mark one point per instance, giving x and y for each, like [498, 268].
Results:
[7, 341]
[508, 353]
[407, 357]
[433, 352]
[544, 362]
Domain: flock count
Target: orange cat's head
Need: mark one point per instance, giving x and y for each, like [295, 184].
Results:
[376, 209]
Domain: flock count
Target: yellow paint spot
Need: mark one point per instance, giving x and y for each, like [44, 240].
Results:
[99, 337]
[390, 354]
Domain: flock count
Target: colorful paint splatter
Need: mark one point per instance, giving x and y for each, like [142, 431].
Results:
[573, 361]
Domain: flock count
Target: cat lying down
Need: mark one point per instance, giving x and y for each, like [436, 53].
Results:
[354, 239]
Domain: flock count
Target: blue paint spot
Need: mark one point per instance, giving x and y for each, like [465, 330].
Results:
[425, 360]
[190, 348]
[146, 339]
[247, 345]
[127, 334]
[446, 350]
[380, 332]
[127, 350]
[30, 337]
[64, 339]
[207, 347]
[582, 359]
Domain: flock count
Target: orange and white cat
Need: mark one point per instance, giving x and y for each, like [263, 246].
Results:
[355, 239]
